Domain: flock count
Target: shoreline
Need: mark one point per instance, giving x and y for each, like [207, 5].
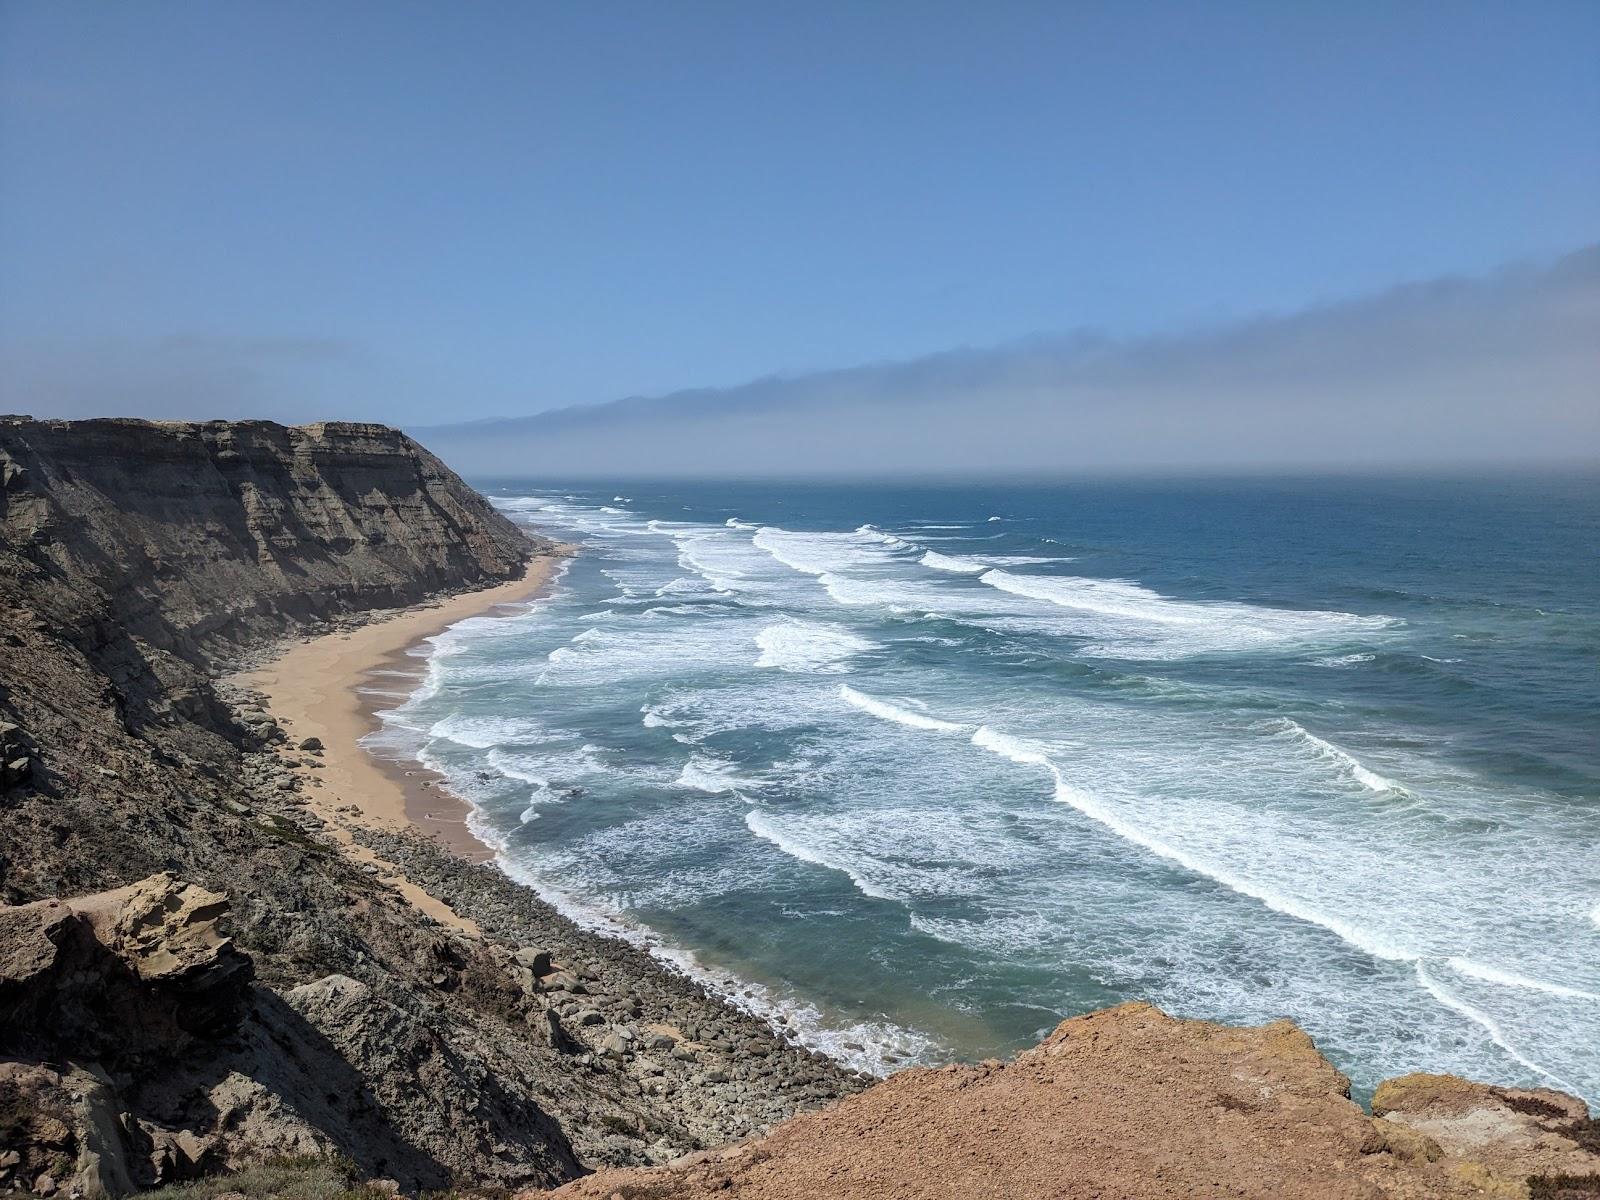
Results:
[399, 821]
[331, 687]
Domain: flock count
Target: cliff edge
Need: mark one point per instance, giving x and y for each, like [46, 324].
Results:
[195, 974]
[201, 990]
[1132, 1104]
[207, 536]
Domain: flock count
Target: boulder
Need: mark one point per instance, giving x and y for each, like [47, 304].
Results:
[547, 1023]
[162, 928]
[16, 762]
[31, 936]
[130, 972]
[62, 1124]
[16, 771]
[564, 981]
[537, 961]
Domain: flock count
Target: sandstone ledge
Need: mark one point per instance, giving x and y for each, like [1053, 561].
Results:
[1131, 1103]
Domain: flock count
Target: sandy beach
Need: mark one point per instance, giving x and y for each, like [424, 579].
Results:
[332, 687]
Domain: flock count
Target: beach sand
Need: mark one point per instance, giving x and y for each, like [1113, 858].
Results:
[330, 688]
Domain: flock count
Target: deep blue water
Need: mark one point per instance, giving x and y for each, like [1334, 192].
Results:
[930, 767]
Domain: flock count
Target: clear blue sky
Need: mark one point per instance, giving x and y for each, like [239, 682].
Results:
[424, 212]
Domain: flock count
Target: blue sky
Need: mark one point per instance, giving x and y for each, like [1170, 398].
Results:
[431, 212]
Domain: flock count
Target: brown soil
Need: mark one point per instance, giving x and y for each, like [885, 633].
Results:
[1125, 1103]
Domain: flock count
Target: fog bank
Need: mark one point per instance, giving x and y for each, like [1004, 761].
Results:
[1455, 370]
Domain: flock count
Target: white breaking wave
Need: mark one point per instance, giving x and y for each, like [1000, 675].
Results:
[808, 646]
[1511, 979]
[513, 768]
[1021, 751]
[1142, 623]
[482, 733]
[1343, 660]
[1108, 597]
[760, 825]
[827, 553]
[1347, 763]
[878, 535]
[997, 518]
[1492, 1027]
[1022, 560]
[900, 716]
[947, 562]
[735, 523]
[705, 774]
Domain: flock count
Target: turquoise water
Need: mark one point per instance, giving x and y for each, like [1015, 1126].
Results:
[930, 768]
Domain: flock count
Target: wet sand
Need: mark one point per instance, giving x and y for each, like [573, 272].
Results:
[331, 687]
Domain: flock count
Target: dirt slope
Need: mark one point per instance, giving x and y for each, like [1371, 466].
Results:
[1130, 1103]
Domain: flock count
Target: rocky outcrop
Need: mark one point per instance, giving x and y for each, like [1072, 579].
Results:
[152, 1032]
[212, 535]
[123, 982]
[1130, 1102]
[126, 977]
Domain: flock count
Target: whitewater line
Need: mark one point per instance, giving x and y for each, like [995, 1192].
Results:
[1488, 974]
[1492, 1027]
[1343, 759]
[1019, 751]
[1022, 752]
[757, 823]
[893, 712]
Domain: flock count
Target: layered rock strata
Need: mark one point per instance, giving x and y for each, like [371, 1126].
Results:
[320, 1014]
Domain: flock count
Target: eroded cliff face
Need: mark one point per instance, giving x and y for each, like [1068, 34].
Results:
[135, 559]
[158, 550]
[207, 536]
[194, 977]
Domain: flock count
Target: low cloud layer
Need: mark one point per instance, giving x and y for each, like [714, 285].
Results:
[1455, 370]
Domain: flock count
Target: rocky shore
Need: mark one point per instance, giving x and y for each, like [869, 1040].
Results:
[213, 985]
[432, 1053]
[658, 1064]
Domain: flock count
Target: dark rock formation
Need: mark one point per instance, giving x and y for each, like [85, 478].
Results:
[129, 978]
[217, 535]
[136, 560]
[157, 550]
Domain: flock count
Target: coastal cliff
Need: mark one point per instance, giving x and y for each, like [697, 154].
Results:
[208, 536]
[194, 974]
[158, 551]
[202, 987]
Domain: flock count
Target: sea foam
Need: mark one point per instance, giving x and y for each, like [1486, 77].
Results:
[808, 646]
[764, 828]
[1346, 762]
[900, 716]
[947, 562]
[702, 773]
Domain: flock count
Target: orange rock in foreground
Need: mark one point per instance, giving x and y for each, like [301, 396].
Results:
[1131, 1103]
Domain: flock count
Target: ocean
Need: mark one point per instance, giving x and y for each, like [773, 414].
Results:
[927, 768]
